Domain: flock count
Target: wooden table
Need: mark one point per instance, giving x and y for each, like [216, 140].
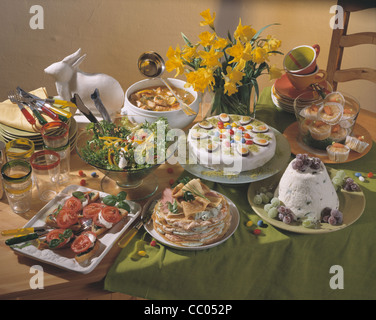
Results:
[60, 284]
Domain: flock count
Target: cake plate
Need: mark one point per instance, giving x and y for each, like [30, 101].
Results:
[276, 164]
[351, 204]
[148, 210]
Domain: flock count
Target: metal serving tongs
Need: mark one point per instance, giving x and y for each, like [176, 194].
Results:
[47, 105]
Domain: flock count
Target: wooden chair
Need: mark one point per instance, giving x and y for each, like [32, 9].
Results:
[340, 40]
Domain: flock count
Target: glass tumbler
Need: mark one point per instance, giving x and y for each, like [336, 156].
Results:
[46, 171]
[64, 153]
[55, 134]
[21, 149]
[18, 184]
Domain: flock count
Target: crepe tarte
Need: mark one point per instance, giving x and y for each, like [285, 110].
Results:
[191, 215]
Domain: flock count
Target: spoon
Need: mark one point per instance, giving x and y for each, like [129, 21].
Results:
[152, 65]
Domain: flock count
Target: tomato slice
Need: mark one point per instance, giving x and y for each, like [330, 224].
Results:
[66, 218]
[111, 214]
[82, 243]
[92, 210]
[56, 235]
[73, 204]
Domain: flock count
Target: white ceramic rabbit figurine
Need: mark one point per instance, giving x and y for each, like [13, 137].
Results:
[69, 79]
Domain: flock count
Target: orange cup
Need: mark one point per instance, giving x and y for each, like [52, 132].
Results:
[302, 81]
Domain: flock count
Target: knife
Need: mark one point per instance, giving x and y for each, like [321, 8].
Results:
[84, 109]
[28, 237]
[21, 231]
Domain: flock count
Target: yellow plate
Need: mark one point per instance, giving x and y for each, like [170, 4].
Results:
[351, 204]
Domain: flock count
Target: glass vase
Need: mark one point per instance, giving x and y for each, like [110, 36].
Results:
[237, 103]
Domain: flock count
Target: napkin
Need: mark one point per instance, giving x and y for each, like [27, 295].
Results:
[11, 115]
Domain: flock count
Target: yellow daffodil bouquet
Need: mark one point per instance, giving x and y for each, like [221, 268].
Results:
[227, 66]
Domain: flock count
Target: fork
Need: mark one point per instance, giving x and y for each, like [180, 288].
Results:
[13, 98]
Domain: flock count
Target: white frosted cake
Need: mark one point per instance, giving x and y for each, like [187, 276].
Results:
[306, 188]
[231, 142]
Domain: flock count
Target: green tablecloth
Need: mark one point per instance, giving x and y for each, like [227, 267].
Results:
[276, 264]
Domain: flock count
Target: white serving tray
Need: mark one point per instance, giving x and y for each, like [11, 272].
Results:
[64, 258]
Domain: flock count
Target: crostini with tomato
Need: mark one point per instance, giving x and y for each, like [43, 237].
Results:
[68, 214]
[56, 239]
[85, 246]
[67, 221]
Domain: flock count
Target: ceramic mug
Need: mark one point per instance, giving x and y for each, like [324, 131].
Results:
[302, 59]
[302, 81]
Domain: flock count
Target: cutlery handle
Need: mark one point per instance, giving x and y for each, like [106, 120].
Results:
[61, 112]
[50, 113]
[123, 242]
[40, 118]
[65, 103]
[21, 239]
[20, 231]
[28, 116]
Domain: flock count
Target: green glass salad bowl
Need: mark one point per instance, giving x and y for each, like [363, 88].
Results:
[126, 153]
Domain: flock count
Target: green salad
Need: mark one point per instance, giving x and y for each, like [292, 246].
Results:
[126, 145]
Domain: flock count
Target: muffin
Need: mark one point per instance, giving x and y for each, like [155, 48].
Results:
[310, 112]
[330, 112]
[338, 152]
[356, 144]
[320, 130]
[338, 133]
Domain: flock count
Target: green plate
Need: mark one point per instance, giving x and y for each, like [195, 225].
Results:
[351, 204]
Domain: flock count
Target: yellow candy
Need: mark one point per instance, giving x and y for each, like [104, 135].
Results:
[226, 124]
[234, 124]
[141, 253]
[249, 127]
[249, 223]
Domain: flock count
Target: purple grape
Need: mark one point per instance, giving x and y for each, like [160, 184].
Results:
[325, 214]
[332, 221]
[282, 209]
[287, 219]
[354, 187]
[335, 213]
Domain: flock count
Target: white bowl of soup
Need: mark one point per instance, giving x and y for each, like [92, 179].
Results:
[150, 99]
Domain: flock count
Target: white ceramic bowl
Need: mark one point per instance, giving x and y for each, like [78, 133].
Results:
[176, 118]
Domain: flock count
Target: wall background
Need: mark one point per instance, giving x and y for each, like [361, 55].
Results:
[113, 33]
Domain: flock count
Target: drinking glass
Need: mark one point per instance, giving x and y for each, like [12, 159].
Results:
[46, 170]
[17, 181]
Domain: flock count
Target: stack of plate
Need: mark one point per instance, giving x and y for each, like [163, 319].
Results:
[284, 93]
[9, 133]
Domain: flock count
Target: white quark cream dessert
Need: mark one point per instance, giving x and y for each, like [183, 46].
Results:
[191, 215]
[306, 188]
[233, 142]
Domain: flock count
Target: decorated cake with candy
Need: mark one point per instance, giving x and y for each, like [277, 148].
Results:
[239, 143]
[191, 214]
